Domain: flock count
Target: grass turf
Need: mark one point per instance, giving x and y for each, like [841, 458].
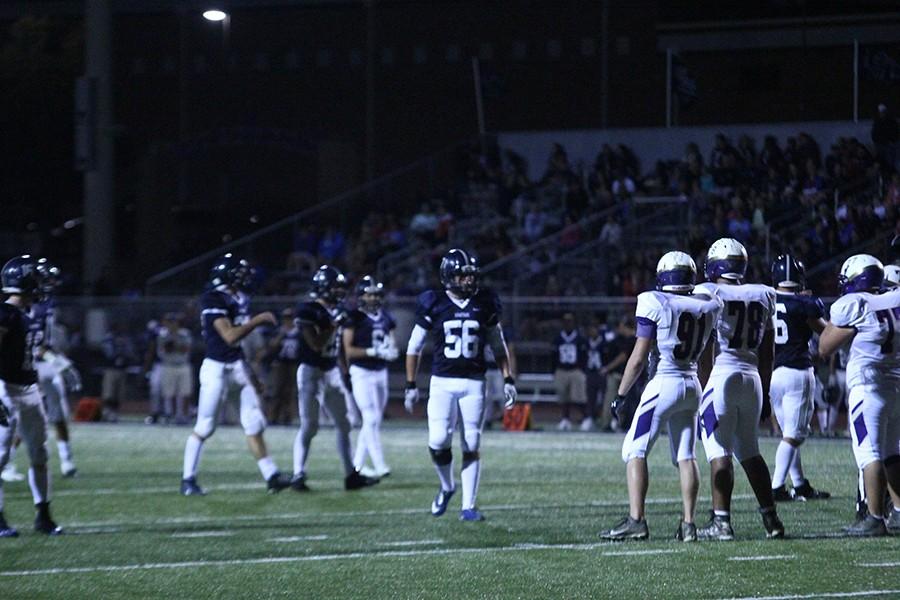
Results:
[546, 495]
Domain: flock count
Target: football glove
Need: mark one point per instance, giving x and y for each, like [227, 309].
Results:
[72, 379]
[411, 397]
[340, 318]
[509, 390]
[618, 407]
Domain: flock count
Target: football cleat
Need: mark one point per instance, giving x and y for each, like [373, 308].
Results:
[440, 502]
[686, 532]
[718, 529]
[808, 492]
[627, 529]
[564, 425]
[587, 424]
[189, 487]
[774, 526]
[357, 481]
[68, 468]
[43, 523]
[298, 483]
[868, 527]
[5, 529]
[470, 514]
[893, 522]
[782, 494]
[11, 474]
[367, 471]
[277, 482]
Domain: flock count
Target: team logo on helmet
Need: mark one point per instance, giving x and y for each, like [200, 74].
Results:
[726, 259]
[675, 272]
[860, 273]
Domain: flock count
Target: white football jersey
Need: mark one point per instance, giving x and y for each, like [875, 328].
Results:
[683, 326]
[745, 318]
[875, 350]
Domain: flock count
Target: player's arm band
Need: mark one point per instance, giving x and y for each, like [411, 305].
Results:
[416, 341]
[509, 379]
[411, 385]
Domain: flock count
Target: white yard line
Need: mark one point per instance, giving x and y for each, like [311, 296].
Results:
[403, 544]
[821, 595]
[320, 557]
[203, 534]
[298, 538]
[883, 565]
[773, 557]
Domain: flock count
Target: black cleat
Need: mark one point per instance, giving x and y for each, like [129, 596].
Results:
[357, 481]
[774, 526]
[298, 483]
[782, 494]
[189, 487]
[43, 523]
[627, 529]
[277, 482]
[5, 530]
[808, 492]
[868, 527]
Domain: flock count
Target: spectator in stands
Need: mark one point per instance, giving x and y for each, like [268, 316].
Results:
[282, 348]
[424, 223]
[595, 382]
[885, 135]
[571, 234]
[892, 196]
[569, 362]
[618, 351]
[623, 186]
[444, 226]
[118, 350]
[535, 223]
[332, 246]
[611, 232]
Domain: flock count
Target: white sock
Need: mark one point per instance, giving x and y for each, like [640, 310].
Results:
[192, 450]
[267, 467]
[471, 473]
[796, 470]
[784, 456]
[359, 457]
[722, 513]
[39, 481]
[822, 417]
[65, 451]
[445, 474]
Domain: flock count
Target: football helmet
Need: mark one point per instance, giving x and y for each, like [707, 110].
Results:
[329, 284]
[861, 273]
[675, 272]
[891, 276]
[459, 273]
[230, 271]
[726, 259]
[50, 276]
[788, 272]
[368, 286]
[20, 276]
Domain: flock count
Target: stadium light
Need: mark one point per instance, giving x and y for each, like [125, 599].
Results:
[215, 15]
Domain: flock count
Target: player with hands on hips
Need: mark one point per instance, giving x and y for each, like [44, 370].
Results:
[675, 325]
[224, 368]
[368, 338]
[460, 319]
[20, 337]
[869, 321]
[320, 378]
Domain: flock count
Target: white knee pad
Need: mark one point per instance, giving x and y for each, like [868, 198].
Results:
[253, 421]
[205, 427]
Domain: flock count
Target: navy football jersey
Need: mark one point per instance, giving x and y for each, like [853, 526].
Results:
[243, 308]
[792, 332]
[313, 313]
[571, 351]
[215, 304]
[370, 330]
[459, 331]
[21, 337]
[289, 346]
[42, 315]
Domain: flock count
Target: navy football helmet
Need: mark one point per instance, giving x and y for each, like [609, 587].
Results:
[50, 276]
[329, 284]
[459, 273]
[230, 271]
[368, 286]
[788, 272]
[20, 276]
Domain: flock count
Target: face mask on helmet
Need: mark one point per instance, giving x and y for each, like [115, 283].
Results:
[861, 273]
[369, 294]
[459, 273]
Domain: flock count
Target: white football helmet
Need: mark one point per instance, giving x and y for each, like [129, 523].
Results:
[860, 273]
[675, 272]
[726, 258]
[891, 276]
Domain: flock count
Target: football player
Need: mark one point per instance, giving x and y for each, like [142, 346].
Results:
[675, 325]
[869, 322]
[319, 378]
[891, 276]
[797, 316]
[19, 394]
[733, 393]
[151, 370]
[173, 346]
[460, 319]
[224, 368]
[369, 344]
[56, 373]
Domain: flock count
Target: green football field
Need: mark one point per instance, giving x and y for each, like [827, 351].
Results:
[129, 534]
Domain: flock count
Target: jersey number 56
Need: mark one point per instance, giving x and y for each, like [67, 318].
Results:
[461, 338]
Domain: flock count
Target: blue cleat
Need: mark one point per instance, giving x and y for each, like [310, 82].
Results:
[440, 502]
[5, 529]
[470, 514]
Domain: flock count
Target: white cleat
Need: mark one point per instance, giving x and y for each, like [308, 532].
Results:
[587, 425]
[68, 468]
[11, 474]
[564, 425]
